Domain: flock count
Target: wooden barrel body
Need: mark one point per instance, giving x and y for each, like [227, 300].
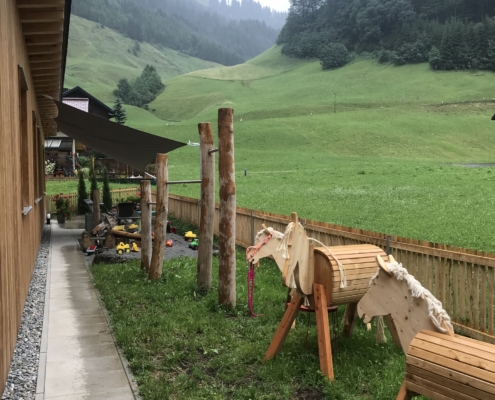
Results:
[442, 367]
[359, 262]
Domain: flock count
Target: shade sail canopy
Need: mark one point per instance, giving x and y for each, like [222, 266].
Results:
[127, 145]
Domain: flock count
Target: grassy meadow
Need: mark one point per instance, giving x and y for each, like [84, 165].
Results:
[381, 155]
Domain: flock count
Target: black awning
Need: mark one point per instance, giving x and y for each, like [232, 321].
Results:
[127, 145]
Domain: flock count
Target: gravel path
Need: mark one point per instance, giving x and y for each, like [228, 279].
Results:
[21, 382]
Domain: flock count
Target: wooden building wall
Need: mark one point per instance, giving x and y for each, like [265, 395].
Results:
[21, 141]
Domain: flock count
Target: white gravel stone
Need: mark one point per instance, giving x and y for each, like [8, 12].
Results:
[21, 382]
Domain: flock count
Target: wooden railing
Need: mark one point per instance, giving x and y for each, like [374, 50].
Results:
[117, 194]
[462, 279]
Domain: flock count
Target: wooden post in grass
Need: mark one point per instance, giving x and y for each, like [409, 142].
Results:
[146, 247]
[96, 207]
[207, 217]
[155, 271]
[226, 237]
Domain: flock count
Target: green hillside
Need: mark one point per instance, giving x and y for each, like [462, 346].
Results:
[408, 112]
[383, 161]
[98, 57]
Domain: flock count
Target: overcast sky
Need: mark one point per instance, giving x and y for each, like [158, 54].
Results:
[279, 5]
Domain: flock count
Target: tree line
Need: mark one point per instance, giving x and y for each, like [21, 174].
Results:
[182, 25]
[248, 9]
[449, 34]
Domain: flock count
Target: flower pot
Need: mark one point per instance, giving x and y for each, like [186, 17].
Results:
[61, 218]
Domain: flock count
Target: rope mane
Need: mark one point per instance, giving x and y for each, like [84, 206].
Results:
[435, 309]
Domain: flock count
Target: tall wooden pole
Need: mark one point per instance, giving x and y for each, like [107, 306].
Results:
[155, 271]
[145, 225]
[207, 217]
[96, 207]
[226, 254]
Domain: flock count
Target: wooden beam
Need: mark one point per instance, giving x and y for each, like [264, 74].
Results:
[207, 217]
[40, 3]
[41, 16]
[44, 58]
[47, 72]
[146, 243]
[44, 39]
[156, 263]
[226, 237]
[46, 89]
[42, 28]
[44, 49]
[45, 66]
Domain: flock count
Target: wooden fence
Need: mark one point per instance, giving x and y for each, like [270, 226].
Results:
[117, 195]
[462, 279]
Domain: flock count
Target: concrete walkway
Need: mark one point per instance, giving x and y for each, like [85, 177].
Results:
[79, 359]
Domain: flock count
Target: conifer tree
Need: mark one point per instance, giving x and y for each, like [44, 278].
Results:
[119, 113]
[92, 179]
[107, 195]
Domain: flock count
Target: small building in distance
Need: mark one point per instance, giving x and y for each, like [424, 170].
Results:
[61, 149]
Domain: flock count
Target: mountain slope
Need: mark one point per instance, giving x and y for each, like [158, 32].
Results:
[98, 57]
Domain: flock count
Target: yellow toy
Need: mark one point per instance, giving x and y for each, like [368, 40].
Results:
[121, 247]
[119, 228]
[135, 247]
[189, 236]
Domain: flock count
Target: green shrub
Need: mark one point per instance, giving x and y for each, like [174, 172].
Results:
[334, 55]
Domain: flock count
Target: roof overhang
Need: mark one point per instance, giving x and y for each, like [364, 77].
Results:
[45, 26]
[127, 145]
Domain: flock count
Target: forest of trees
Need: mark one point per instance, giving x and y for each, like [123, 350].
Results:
[249, 9]
[142, 90]
[182, 25]
[449, 34]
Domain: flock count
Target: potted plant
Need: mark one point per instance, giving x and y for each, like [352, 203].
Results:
[50, 168]
[64, 210]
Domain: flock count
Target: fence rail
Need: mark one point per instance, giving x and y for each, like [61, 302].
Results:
[462, 279]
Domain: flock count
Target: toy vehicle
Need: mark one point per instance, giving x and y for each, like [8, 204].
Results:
[189, 236]
[135, 247]
[121, 247]
[194, 244]
[169, 243]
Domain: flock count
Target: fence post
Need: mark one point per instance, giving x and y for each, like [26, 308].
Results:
[155, 271]
[96, 207]
[207, 207]
[146, 243]
[252, 227]
[226, 254]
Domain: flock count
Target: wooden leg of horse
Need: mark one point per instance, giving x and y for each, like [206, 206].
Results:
[324, 344]
[284, 327]
[350, 312]
[403, 393]
[289, 298]
[393, 330]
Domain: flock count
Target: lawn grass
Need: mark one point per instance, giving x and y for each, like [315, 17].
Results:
[181, 345]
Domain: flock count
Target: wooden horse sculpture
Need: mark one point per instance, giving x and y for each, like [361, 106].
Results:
[439, 364]
[320, 277]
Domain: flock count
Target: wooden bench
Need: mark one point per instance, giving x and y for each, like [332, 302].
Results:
[442, 367]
